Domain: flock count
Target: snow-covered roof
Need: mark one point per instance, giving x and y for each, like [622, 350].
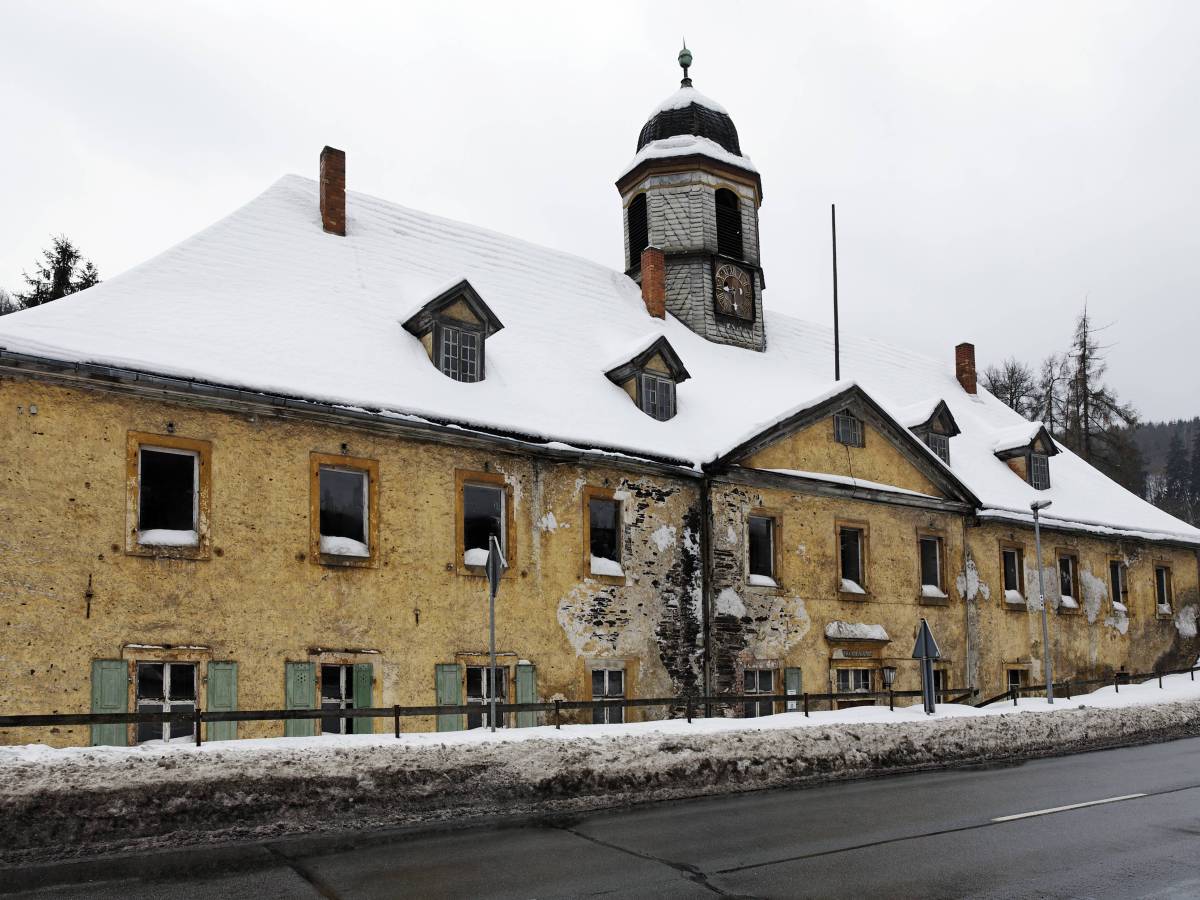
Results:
[684, 97]
[267, 301]
[687, 145]
[838, 630]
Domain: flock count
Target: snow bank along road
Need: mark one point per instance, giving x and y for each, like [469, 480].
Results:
[59, 802]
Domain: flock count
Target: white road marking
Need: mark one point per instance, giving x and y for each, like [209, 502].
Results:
[1054, 809]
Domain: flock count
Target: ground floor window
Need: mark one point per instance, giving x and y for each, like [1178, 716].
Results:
[1016, 679]
[165, 687]
[854, 681]
[479, 691]
[758, 681]
[337, 694]
[608, 684]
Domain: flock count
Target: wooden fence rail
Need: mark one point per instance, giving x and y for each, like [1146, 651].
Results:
[1063, 688]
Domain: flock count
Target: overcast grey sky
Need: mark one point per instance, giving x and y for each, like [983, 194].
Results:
[994, 164]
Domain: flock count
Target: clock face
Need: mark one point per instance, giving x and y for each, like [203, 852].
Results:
[734, 292]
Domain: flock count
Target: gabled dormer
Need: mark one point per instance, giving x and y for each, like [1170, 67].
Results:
[936, 429]
[1027, 450]
[650, 377]
[454, 326]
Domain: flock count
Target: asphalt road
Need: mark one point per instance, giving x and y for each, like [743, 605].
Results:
[960, 833]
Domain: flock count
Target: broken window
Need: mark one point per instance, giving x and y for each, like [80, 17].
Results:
[758, 681]
[1117, 585]
[483, 516]
[657, 397]
[847, 429]
[1015, 679]
[1068, 582]
[337, 694]
[165, 687]
[608, 684]
[854, 681]
[1162, 589]
[1012, 563]
[939, 444]
[1039, 471]
[168, 495]
[762, 550]
[931, 567]
[850, 544]
[479, 691]
[344, 515]
[458, 352]
[604, 535]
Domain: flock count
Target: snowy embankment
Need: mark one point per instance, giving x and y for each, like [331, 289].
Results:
[60, 802]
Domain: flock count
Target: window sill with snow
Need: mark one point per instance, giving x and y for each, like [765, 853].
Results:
[851, 590]
[609, 568]
[765, 581]
[1014, 599]
[932, 595]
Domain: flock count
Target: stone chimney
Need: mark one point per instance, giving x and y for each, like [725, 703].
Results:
[964, 366]
[333, 191]
[654, 282]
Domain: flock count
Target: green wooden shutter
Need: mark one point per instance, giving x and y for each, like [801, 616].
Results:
[222, 697]
[110, 694]
[301, 693]
[792, 685]
[449, 693]
[363, 680]
[526, 693]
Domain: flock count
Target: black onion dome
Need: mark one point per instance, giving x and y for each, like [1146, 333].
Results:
[695, 115]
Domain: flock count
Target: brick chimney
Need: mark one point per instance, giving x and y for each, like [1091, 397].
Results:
[333, 191]
[654, 282]
[964, 366]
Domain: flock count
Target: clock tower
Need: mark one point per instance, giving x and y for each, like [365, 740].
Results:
[691, 193]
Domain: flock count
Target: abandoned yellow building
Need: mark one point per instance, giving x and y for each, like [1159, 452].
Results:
[262, 469]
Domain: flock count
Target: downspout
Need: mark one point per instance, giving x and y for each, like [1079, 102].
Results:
[706, 580]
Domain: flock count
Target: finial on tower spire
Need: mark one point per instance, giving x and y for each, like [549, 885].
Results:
[685, 60]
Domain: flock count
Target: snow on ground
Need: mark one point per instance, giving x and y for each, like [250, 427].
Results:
[67, 801]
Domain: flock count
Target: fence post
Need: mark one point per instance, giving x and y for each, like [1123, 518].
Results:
[806, 704]
[1067, 683]
[1192, 672]
[1160, 681]
[197, 718]
[689, 709]
[396, 716]
[891, 700]
[557, 714]
[1117, 682]
[1013, 691]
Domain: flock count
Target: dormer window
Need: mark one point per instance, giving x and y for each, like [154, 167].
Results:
[453, 326]
[650, 378]
[939, 444]
[934, 428]
[848, 429]
[1029, 457]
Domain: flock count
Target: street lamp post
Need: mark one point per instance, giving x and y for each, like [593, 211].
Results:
[1047, 666]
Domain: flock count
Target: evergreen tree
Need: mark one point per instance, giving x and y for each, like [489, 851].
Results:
[63, 271]
[7, 303]
[1176, 488]
[1194, 480]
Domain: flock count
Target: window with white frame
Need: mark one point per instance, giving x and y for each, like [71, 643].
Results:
[1039, 471]
[939, 444]
[758, 681]
[165, 687]
[458, 352]
[848, 429]
[854, 681]
[656, 396]
[932, 585]
[483, 516]
[1162, 589]
[850, 558]
[337, 695]
[1012, 561]
[607, 684]
[604, 536]
[479, 691]
[168, 496]
[344, 513]
[761, 562]
[1068, 582]
[1118, 585]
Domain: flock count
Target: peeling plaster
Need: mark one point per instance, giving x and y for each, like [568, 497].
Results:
[548, 522]
[730, 604]
[664, 537]
[1185, 621]
[1094, 593]
[968, 583]
[783, 624]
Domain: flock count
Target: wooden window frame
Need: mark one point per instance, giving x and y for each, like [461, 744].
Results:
[930, 437]
[629, 665]
[776, 519]
[864, 558]
[463, 477]
[1126, 599]
[1034, 454]
[1170, 585]
[642, 398]
[861, 428]
[927, 534]
[1061, 553]
[591, 493]
[317, 461]
[440, 326]
[134, 442]
[1019, 548]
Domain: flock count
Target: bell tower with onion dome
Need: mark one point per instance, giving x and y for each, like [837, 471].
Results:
[691, 193]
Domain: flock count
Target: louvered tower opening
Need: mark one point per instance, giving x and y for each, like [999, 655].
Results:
[729, 224]
[639, 230]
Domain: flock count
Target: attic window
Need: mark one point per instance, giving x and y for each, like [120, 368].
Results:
[939, 444]
[459, 352]
[639, 230]
[847, 429]
[656, 396]
[729, 224]
[1039, 471]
